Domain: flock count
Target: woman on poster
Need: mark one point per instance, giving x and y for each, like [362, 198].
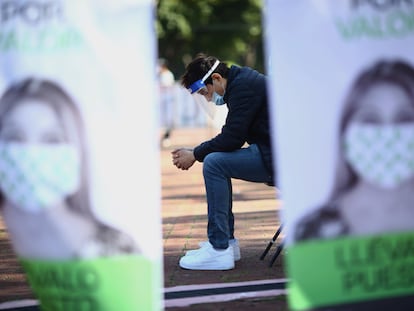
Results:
[374, 182]
[44, 190]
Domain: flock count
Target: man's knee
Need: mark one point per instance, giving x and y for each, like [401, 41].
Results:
[211, 161]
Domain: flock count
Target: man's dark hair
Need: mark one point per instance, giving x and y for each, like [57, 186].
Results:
[199, 66]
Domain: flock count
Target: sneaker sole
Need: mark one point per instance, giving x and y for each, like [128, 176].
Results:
[207, 267]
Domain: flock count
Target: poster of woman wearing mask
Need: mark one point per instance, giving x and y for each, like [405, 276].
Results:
[347, 161]
[375, 161]
[72, 77]
[44, 177]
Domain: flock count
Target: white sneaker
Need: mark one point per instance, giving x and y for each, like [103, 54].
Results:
[208, 258]
[232, 242]
[236, 249]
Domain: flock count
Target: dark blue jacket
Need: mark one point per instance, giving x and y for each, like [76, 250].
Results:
[247, 120]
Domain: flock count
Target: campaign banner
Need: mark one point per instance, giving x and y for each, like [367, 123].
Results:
[342, 108]
[79, 153]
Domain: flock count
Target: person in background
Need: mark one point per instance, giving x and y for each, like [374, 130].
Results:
[242, 150]
[166, 83]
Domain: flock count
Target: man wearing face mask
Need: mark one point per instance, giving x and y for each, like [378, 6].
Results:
[242, 150]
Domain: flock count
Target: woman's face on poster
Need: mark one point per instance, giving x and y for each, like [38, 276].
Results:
[38, 166]
[379, 139]
[384, 103]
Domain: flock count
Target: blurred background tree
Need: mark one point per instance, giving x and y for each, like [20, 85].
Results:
[228, 29]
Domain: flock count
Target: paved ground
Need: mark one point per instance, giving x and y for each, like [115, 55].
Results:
[184, 225]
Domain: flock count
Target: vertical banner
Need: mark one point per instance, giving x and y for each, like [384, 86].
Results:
[79, 158]
[342, 94]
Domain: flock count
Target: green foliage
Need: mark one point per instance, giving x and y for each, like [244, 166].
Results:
[228, 29]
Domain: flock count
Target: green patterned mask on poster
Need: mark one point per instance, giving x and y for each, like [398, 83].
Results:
[38, 176]
[381, 154]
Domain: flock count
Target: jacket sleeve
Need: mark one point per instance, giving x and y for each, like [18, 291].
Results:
[243, 103]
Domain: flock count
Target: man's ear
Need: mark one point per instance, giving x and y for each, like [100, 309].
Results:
[216, 76]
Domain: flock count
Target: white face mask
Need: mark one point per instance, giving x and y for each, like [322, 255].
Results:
[382, 155]
[35, 177]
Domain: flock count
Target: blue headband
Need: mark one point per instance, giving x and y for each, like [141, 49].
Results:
[199, 84]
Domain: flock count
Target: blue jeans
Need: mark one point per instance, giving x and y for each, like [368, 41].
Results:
[218, 169]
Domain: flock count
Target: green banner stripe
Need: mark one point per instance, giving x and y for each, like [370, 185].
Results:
[113, 283]
[350, 269]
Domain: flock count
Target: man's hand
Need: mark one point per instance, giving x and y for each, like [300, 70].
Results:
[183, 158]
